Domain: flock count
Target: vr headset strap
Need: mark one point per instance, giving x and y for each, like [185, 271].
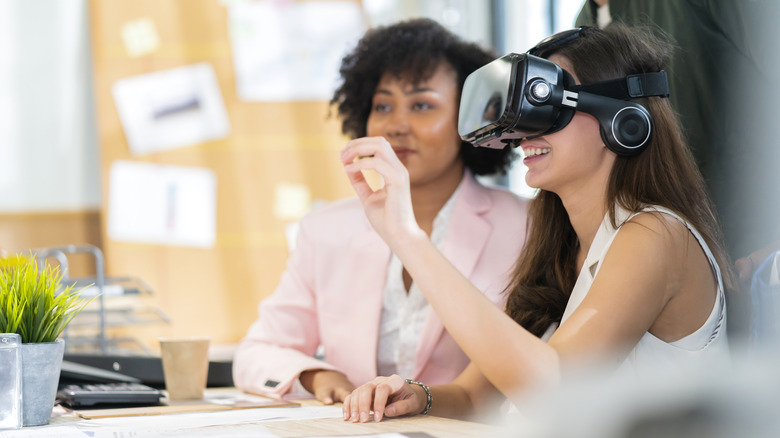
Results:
[630, 87]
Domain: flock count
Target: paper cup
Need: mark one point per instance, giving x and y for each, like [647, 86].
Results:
[185, 366]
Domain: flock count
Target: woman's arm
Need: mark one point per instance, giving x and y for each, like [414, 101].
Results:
[639, 276]
[281, 343]
[483, 329]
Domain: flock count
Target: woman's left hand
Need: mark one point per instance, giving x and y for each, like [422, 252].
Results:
[389, 209]
[386, 396]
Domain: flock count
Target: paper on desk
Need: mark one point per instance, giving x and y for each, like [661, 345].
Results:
[242, 400]
[237, 431]
[382, 435]
[233, 431]
[178, 422]
[44, 432]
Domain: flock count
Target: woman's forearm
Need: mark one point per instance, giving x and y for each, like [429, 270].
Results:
[451, 401]
[488, 336]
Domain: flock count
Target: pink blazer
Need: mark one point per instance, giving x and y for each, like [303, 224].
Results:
[331, 292]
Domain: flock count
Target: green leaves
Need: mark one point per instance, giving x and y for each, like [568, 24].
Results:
[33, 302]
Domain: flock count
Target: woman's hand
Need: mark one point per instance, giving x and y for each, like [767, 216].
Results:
[389, 209]
[386, 396]
[328, 386]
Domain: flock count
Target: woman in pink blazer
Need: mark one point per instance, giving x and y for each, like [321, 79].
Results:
[343, 289]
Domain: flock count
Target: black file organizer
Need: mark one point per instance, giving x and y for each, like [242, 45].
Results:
[105, 316]
[104, 363]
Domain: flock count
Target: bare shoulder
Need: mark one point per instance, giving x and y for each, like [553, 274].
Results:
[656, 226]
[657, 239]
[674, 269]
[646, 262]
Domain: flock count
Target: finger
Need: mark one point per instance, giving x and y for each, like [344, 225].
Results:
[350, 407]
[352, 154]
[359, 183]
[340, 394]
[402, 407]
[345, 408]
[381, 153]
[354, 412]
[381, 394]
[391, 173]
[366, 147]
[325, 395]
[364, 401]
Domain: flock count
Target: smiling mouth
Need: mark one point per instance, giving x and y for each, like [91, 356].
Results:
[535, 152]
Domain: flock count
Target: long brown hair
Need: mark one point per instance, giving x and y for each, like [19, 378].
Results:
[664, 174]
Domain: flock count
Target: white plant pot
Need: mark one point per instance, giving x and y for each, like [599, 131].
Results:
[41, 365]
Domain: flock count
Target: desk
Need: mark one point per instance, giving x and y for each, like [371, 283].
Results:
[433, 426]
[325, 421]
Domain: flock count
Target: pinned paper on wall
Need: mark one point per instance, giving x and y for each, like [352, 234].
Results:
[162, 204]
[140, 37]
[171, 108]
[284, 51]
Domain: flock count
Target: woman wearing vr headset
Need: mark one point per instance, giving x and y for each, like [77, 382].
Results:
[624, 256]
[401, 83]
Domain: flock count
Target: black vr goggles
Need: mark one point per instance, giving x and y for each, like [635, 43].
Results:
[524, 96]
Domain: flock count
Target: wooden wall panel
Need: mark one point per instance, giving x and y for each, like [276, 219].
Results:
[213, 291]
[24, 231]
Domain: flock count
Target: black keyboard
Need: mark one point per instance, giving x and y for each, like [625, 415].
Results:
[134, 394]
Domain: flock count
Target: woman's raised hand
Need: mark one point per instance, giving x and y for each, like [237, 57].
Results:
[389, 208]
[386, 396]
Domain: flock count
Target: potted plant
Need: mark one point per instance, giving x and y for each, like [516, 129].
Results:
[35, 305]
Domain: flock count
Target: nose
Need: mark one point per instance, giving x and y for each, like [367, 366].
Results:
[398, 123]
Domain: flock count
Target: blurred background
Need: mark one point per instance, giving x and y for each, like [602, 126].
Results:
[183, 139]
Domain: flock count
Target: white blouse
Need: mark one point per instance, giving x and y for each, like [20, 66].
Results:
[403, 314]
[708, 343]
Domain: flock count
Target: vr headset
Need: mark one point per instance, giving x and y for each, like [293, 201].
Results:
[522, 96]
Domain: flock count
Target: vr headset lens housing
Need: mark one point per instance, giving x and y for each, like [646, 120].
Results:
[521, 95]
[505, 100]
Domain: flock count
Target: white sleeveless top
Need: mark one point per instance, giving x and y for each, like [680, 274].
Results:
[707, 344]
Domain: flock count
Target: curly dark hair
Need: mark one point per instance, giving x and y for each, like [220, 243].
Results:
[411, 49]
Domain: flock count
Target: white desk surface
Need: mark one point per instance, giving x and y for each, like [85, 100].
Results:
[311, 419]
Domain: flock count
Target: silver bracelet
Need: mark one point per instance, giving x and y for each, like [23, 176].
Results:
[427, 394]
